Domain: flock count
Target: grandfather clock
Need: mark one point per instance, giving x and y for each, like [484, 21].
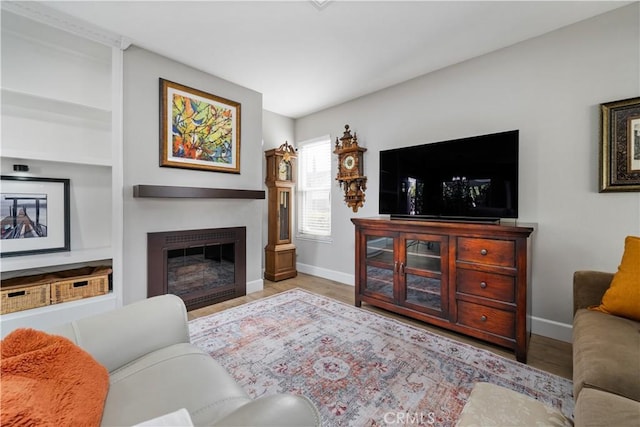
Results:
[280, 253]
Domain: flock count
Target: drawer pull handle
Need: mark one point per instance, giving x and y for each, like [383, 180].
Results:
[483, 285]
[484, 252]
[483, 318]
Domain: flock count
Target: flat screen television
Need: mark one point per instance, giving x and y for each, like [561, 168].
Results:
[472, 178]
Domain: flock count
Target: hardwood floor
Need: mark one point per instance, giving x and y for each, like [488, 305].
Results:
[544, 353]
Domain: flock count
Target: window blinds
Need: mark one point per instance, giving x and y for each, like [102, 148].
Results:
[314, 188]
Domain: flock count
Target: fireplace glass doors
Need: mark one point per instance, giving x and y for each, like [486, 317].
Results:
[200, 266]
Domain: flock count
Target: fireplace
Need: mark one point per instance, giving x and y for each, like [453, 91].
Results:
[202, 267]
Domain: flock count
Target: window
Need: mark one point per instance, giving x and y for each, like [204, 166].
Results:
[314, 188]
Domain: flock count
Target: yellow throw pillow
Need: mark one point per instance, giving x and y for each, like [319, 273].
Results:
[623, 296]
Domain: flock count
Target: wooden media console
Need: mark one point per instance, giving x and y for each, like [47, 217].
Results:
[472, 278]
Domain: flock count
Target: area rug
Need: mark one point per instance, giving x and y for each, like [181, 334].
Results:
[360, 368]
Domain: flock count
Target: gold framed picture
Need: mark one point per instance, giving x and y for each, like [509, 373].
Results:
[620, 146]
[198, 130]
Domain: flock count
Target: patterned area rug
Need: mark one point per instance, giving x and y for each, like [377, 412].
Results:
[360, 368]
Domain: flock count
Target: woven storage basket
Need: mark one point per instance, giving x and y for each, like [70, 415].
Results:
[80, 283]
[18, 298]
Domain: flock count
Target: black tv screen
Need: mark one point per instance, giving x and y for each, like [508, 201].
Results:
[469, 178]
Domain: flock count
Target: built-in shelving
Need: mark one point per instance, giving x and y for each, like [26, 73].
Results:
[60, 157]
[62, 116]
[42, 105]
[40, 318]
[30, 123]
[56, 258]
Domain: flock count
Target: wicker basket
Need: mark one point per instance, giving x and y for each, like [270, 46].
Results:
[18, 298]
[80, 283]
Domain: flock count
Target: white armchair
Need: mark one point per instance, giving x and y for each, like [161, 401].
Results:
[154, 370]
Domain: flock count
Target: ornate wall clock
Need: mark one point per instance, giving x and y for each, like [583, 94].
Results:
[351, 169]
[280, 252]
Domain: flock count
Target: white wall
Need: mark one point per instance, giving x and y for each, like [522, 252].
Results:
[276, 129]
[142, 69]
[550, 88]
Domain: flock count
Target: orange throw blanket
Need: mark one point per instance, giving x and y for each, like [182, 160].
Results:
[49, 381]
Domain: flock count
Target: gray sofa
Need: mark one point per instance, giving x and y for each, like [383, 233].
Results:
[154, 370]
[606, 358]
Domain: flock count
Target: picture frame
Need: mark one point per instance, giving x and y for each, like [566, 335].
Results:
[34, 215]
[198, 130]
[620, 146]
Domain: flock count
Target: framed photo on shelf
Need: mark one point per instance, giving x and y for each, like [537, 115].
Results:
[34, 215]
[198, 130]
[620, 146]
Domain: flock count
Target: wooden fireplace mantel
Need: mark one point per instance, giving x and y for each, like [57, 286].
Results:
[165, 191]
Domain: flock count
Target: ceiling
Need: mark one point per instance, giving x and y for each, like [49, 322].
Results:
[308, 55]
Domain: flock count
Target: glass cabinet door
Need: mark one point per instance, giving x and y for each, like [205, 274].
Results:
[379, 266]
[421, 273]
[283, 224]
[284, 216]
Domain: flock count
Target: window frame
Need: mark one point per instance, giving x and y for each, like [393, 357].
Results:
[305, 235]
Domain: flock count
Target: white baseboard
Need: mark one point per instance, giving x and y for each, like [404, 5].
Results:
[255, 286]
[336, 276]
[551, 329]
[539, 326]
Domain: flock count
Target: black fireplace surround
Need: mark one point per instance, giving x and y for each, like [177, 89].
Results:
[202, 267]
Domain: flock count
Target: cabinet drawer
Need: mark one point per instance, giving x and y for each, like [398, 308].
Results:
[488, 319]
[487, 251]
[487, 285]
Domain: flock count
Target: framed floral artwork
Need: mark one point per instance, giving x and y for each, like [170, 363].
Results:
[198, 130]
